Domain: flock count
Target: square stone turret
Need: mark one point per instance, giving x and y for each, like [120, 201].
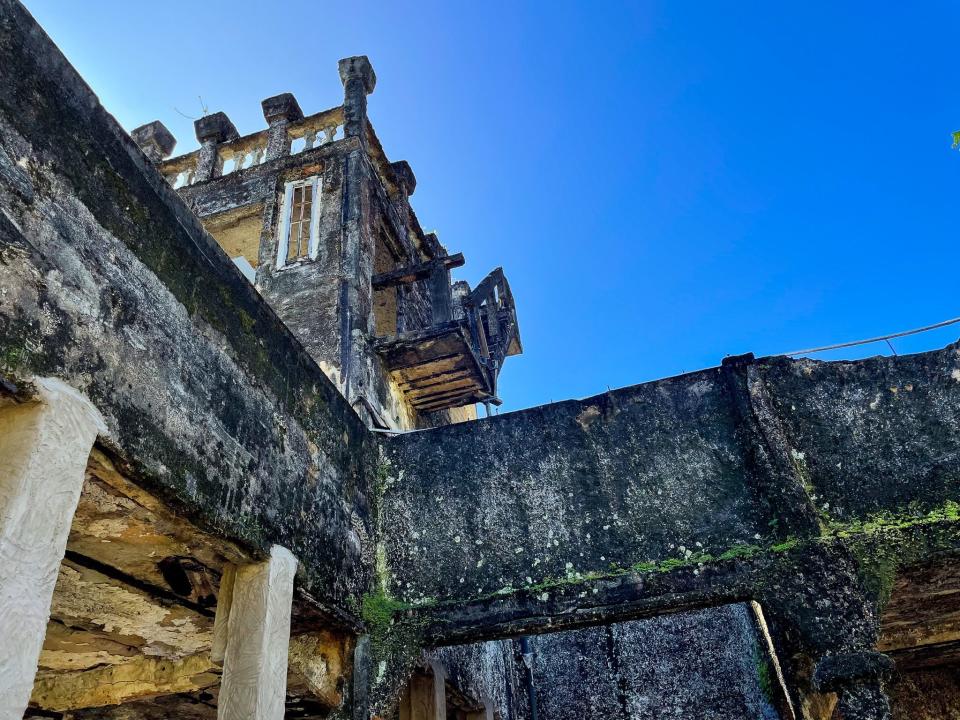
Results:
[320, 221]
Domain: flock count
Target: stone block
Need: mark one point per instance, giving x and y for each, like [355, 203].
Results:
[358, 66]
[216, 127]
[284, 106]
[155, 140]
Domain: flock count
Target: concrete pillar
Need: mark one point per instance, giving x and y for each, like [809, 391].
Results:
[857, 678]
[44, 447]
[362, 662]
[439, 691]
[358, 80]
[426, 697]
[279, 111]
[255, 619]
[212, 130]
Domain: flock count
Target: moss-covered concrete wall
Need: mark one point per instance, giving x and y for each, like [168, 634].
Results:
[750, 455]
[647, 473]
[109, 282]
[667, 667]
[872, 436]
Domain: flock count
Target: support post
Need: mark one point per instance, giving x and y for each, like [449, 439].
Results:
[439, 691]
[44, 447]
[256, 619]
[361, 679]
[441, 298]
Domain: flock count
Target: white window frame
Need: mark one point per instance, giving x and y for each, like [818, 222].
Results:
[286, 207]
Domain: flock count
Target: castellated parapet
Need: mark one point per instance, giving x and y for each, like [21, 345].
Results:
[320, 219]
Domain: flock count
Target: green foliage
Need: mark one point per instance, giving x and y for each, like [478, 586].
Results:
[886, 520]
[251, 528]
[884, 542]
[13, 357]
[396, 635]
[764, 679]
[670, 564]
[378, 610]
[787, 544]
[740, 551]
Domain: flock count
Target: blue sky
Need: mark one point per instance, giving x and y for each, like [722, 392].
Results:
[665, 183]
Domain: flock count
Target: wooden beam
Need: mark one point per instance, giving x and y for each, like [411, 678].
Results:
[418, 362]
[425, 395]
[428, 370]
[443, 378]
[448, 402]
[412, 273]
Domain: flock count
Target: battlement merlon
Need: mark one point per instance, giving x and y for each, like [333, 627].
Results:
[359, 80]
[155, 140]
[279, 111]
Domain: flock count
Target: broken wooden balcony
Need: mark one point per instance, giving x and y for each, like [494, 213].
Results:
[437, 368]
[456, 361]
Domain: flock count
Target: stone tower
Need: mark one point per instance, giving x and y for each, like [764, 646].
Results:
[319, 219]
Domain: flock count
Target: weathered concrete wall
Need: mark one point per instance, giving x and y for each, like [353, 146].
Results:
[110, 283]
[749, 454]
[712, 663]
[871, 436]
[689, 492]
[306, 295]
[645, 473]
[486, 672]
[668, 667]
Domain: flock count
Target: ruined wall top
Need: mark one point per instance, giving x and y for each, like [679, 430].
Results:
[223, 150]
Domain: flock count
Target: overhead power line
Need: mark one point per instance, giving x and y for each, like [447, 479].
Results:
[879, 338]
